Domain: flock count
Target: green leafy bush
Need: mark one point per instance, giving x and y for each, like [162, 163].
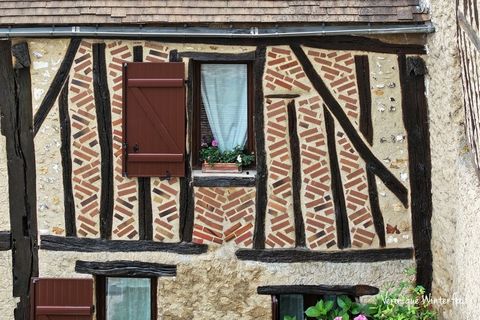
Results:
[404, 301]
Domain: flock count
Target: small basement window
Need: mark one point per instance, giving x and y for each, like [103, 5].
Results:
[120, 298]
[293, 305]
[223, 107]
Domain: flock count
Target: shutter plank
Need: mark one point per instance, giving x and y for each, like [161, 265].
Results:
[154, 119]
[62, 298]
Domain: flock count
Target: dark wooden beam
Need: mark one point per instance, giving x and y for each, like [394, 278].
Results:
[216, 57]
[65, 152]
[356, 43]
[104, 125]
[377, 215]
[304, 255]
[261, 160]
[355, 290]
[377, 167]
[296, 175]
[123, 268]
[56, 85]
[186, 185]
[415, 118]
[282, 96]
[16, 126]
[365, 97]
[210, 181]
[145, 212]
[338, 195]
[57, 243]
[5, 240]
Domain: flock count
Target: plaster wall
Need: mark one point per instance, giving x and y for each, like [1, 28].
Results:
[455, 189]
[217, 286]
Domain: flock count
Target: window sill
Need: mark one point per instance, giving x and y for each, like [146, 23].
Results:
[247, 178]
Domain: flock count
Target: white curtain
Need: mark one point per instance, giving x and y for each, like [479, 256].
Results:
[128, 298]
[225, 98]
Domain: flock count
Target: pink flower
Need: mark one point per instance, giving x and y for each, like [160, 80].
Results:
[214, 143]
[338, 318]
[360, 317]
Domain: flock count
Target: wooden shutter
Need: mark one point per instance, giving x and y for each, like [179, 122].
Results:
[154, 119]
[62, 299]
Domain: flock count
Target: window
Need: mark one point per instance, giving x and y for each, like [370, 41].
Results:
[295, 304]
[120, 298]
[223, 106]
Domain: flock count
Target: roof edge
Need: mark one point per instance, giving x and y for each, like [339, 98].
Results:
[199, 32]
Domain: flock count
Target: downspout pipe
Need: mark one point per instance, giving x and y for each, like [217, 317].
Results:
[202, 32]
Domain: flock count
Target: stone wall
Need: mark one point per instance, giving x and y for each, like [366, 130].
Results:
[217, 286]
[455, 182]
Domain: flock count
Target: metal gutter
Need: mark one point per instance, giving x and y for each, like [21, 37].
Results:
[201, 32]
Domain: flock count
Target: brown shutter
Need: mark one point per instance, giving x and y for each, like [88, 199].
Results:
[59, 299]
[154, 119]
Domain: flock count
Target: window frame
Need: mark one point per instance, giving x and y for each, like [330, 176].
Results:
[197, 101]
[101, 295]
[306, 297]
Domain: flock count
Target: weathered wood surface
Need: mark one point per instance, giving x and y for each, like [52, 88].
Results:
[261, 160]
[123, 268]
[5, 240]
[199, 181]
[338, 195]
[65, 152]
[304, 255]
[415, 119]
[104, 125]
[56, 243]
[16, 126]
[356, 290]
[296, 175]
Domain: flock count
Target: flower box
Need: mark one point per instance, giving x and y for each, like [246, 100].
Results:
[221, 168]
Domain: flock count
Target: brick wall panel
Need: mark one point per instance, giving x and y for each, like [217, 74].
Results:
[279, 222]
[337, 69]
[224, 215]
[125, 207]
[85, 144]
[317, 204]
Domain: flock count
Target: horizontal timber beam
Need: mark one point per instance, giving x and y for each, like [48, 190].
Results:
[356, 290]
[305, 255]
[123, 268]
[56, 243]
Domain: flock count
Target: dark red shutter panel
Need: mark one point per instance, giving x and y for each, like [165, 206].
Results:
[62, 299]
[154, 119]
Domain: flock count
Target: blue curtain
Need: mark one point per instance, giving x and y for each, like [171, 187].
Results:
[225, 97]
[128, 298]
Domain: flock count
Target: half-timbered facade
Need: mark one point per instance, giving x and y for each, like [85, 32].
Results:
[338, 199]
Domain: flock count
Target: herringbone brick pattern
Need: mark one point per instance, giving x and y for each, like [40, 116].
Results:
[165, 207]
[283, 73]
[337, 69]
[224, 215]
[85, 148]
[165, 193]
[318, 208]
[279, 222]
[356, 192]
[125, 210]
